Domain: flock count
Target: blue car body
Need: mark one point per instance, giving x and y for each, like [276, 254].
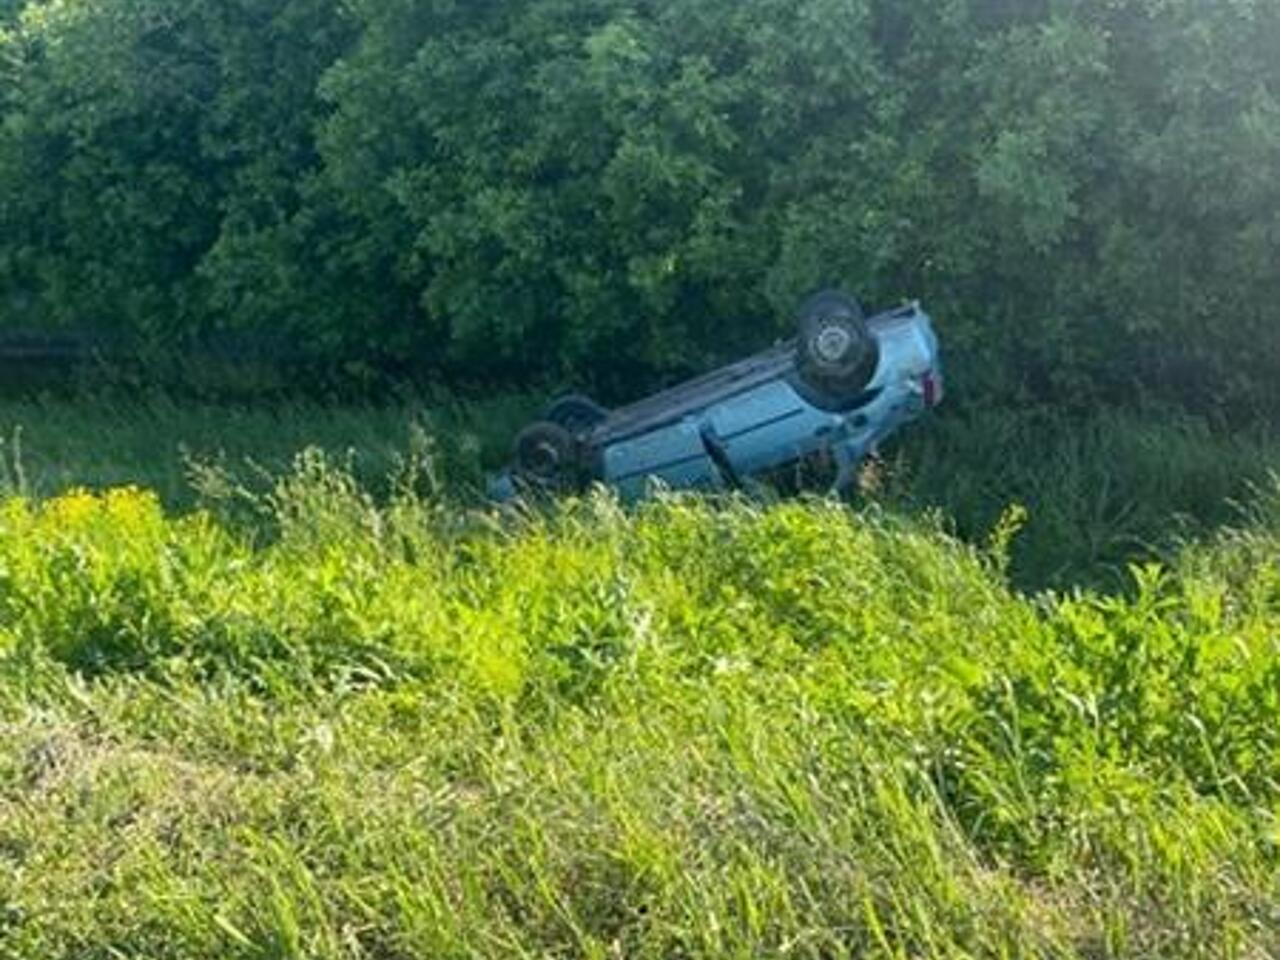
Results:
[722, 430]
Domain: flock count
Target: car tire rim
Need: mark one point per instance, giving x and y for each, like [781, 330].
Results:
[832, 344]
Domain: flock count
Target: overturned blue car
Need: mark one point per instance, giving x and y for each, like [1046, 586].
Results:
[829, 396]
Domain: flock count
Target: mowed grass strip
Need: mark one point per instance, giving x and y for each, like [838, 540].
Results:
[324, 725]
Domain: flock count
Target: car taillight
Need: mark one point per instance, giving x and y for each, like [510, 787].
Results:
[932, 389]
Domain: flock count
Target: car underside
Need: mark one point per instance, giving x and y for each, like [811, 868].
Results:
[831, 394]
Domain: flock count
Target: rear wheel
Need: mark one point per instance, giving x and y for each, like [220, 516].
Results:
[836, 354]
[576, 413]
[547, 457]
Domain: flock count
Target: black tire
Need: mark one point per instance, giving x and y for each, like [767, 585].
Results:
[547, 457]
[836, 354]
[576, 413]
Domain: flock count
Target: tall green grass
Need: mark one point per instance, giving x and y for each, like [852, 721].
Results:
[54, 443]
[1099, 492]
[309, 721]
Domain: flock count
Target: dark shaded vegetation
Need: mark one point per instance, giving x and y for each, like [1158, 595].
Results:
[613, 193]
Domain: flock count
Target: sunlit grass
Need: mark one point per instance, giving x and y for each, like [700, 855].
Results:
[311, 722]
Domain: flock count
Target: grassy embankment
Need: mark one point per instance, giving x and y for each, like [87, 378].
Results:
[312, 723]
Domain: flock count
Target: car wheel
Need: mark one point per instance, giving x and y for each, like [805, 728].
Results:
[576, 413]
[835, 351]
[548, 457]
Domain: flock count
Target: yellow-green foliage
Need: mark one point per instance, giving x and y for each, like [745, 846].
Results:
[688, 730]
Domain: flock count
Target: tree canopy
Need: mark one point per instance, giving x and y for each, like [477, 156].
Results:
[617, 191]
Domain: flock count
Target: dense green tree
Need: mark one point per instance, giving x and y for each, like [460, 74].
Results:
[107, 204]
[1123, 174]
[618, 191]
[606, 185]
[262, 272]
[145, 141]
[595, 185]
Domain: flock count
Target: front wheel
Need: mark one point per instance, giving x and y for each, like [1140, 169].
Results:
[836, 354]
[547, 457]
